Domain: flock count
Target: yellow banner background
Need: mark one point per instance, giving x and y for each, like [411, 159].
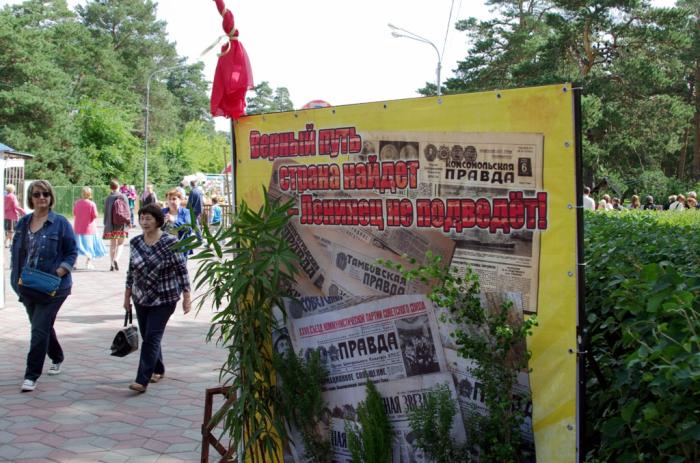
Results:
[548, 110]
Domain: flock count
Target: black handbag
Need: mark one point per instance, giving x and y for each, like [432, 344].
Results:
[126, 340]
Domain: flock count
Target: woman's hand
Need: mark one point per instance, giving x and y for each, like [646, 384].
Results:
[186, 302]
[61, 272]
[127, 300]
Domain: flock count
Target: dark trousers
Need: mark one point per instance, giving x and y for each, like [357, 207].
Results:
[42, 315]
[152, 321]
[198, 222]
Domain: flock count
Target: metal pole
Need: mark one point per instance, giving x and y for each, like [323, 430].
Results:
[418, 38]
[148, 111]
[145, 138]
[233, 169]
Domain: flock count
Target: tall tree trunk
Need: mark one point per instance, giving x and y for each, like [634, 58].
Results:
[696, 145]
[682, 159]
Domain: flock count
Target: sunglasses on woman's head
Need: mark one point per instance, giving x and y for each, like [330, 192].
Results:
[39, 194]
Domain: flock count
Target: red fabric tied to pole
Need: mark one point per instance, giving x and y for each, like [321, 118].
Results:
[233, 75]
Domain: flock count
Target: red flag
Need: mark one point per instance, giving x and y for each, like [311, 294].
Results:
[233, 75]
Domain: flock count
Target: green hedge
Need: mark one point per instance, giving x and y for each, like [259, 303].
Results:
[643, 329]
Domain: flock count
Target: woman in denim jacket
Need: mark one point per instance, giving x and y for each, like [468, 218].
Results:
[45, 240]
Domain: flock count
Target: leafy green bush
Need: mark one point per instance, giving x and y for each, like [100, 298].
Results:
[494, 340]
[301, 395]
[643, 331]
[431, 422]
[370, 442]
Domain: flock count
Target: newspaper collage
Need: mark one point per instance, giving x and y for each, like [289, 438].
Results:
[367, 322]
[479, 165]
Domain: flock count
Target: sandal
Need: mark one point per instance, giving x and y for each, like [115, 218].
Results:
[137, 387]
[156, 377]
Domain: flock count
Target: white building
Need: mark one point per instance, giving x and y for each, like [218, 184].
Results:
[11, 171]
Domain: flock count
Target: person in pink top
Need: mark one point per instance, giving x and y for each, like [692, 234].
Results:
[84, 215]
[12, 213]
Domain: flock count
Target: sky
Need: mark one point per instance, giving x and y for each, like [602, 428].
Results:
[340, 52]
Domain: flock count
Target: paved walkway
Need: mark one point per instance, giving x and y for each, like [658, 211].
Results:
[87, 414]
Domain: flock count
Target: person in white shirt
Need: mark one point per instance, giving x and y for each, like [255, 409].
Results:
[588, 202]
[608, 202]
[678, 204]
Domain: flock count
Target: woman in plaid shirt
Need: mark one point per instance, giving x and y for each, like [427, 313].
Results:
[156, 278]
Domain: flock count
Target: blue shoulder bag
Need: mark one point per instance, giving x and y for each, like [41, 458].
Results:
[35, 279]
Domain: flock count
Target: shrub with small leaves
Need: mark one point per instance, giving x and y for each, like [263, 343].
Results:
[371, 440]
[643, 336]
[302, 399]
[494, 340]
[431, 422]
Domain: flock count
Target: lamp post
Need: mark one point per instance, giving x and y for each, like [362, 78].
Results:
[399, 32]
[148, 112]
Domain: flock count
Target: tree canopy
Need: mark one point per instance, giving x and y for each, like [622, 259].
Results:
[639, 68]
[266, 100]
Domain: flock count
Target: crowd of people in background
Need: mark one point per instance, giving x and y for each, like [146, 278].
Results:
[176, 207]
[679, 202]
[45, 248]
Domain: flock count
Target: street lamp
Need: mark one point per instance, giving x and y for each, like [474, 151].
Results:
[148, 112]
[399, 32]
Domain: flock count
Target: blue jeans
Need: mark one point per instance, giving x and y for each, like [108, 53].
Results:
[152, 321]
[42, 311]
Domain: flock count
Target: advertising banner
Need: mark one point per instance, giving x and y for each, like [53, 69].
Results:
[486, 182]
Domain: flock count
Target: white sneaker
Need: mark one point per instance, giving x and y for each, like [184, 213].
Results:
[55, 368]
[28, 385]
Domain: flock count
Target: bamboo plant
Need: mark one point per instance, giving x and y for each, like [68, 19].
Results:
[243, 273]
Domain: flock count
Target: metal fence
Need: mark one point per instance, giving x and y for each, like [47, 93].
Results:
[66, 196]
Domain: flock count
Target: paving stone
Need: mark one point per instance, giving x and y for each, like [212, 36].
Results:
[195, 434]
[47, 426]
[188, 456]
[24, 423]
[8, 452]
[74, 434]
[136, 452]
[62, 456]
[33, 460]
[113, 458]
[169, 459]
[118, 427]
[156, 446]
[143, 459]
[183, 447]
[81, 445]
[24, 418]
[87, 414]
[94, 405]
[18, 398]
[33, 436]
[6, 437]
[69, 419]
[104, 443]
[32, 450]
